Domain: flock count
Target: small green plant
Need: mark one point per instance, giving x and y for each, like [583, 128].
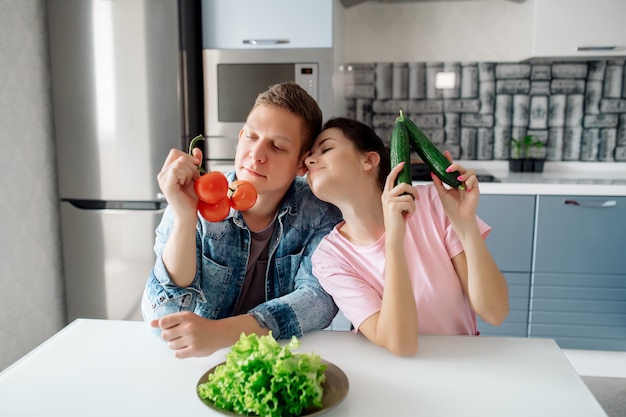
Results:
[525, 148]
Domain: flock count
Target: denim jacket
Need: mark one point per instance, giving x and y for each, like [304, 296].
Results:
[295, 301]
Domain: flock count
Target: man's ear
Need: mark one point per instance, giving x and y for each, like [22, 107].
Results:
[302, 168]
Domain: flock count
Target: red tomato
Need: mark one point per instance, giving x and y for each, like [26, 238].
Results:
[242, 195]
[211, 187]
[215, 212]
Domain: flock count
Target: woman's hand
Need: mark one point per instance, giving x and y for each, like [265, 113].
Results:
[459, 205]
[398, 203]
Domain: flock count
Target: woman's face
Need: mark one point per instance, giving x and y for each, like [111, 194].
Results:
[333, 164]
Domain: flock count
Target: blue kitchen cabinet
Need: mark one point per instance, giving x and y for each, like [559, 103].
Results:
[578, 291]
[271, 24]
[510, 242]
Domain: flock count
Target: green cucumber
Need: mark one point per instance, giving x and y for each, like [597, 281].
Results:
[400, 151]
[430, 154]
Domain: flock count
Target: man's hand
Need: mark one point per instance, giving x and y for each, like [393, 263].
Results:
[190, 335]
[176, 179]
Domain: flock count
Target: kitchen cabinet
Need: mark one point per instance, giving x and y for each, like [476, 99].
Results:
[252, 24]
[510, 241]
[578, 292]
[578, 28]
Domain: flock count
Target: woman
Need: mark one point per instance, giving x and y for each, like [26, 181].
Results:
[405, 260]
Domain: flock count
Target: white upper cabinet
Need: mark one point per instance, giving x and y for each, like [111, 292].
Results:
[260, 24]
[579, 28]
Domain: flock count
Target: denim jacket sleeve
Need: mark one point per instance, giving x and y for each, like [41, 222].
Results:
[307, 307]
[161, 295]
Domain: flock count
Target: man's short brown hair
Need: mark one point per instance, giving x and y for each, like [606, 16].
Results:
[293, 98]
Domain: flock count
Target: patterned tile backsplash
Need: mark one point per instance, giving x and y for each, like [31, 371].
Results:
[577, 109]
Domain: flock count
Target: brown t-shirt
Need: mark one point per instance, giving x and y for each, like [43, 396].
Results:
[253, 290]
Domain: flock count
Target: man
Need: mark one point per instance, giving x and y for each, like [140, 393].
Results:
[250, 273]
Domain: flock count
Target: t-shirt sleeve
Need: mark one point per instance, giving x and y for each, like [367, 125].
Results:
[452, 241]
[453, 244]
[356, 298]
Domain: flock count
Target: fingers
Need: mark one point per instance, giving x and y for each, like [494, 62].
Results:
[179, 169]
[172, 333]
[171, 320]
[197, 153]
[177, 158]
[184, 352]
[471, 180]
[401, 188]
[400, 200]
[467, 176]
[176, 154]
[407, 190]
[391, 178]
[441, 189]
[180, 348]
[180, 331]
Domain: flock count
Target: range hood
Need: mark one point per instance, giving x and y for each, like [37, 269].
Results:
[349, 3]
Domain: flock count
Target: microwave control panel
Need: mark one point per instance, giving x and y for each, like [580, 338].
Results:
[306, 77]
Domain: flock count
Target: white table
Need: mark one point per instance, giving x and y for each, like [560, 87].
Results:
[118, 368]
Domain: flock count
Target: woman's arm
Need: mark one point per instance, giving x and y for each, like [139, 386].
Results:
[395, 326]
[482, 281]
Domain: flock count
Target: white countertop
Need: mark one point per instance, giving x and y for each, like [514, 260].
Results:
[558, 178]
[118, 368]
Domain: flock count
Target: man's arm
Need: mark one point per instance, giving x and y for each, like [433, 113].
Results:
[176, 180]
[190, 335]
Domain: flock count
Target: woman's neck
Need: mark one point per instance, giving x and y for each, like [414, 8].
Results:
[363, 217]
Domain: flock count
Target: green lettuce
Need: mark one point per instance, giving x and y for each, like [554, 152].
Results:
[261, 377]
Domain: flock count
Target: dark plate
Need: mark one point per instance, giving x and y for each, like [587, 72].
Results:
[335, 387]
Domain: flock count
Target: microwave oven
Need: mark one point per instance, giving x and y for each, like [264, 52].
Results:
[234, 78]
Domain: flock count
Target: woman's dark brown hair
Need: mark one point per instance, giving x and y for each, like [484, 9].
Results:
[365, 140]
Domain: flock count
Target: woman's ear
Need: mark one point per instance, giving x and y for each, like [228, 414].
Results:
[371, 161]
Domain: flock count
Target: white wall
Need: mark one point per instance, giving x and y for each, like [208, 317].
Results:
[475, 30]
[31, 295]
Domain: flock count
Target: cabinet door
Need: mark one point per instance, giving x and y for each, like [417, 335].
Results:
[245, 24]
[581, 235]
[510, 241]
[562, 27]
[516, 323]
[511, 218]
[580, 311]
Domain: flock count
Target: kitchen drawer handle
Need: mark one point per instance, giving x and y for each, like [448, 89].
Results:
[265, 41]
[592, 203]
[597, 48]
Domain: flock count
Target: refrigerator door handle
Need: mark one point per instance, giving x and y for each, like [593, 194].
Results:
[116, 205]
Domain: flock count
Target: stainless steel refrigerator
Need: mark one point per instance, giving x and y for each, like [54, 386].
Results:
[126, 88]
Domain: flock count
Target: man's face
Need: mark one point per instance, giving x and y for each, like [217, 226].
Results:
[268, 151]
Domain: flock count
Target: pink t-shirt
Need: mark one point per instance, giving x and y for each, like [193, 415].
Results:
[353, 275]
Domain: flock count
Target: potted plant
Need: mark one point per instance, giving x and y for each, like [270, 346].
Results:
[526, 155]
